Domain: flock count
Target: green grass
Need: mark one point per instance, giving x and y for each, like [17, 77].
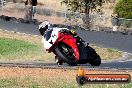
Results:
[18, 83]
[19, 50]
[112, 50]
[43, 82]
[13, 46]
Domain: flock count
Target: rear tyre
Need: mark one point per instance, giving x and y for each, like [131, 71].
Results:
[63, 51]
[95, 60]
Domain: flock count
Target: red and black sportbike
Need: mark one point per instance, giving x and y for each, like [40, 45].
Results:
[69, 48]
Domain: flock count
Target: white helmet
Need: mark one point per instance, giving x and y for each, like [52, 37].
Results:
[44, 24]
[43, 27]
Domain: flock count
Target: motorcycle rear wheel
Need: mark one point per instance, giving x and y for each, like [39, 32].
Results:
[66, 56]
[95, 60]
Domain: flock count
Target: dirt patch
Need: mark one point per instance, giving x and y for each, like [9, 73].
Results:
[38, 72]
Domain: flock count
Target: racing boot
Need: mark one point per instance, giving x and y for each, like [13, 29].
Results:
[58, 60]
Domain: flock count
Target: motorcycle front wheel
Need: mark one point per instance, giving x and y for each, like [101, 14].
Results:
[66, 53]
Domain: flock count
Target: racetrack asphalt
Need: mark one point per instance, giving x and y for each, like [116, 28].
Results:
[112, 40]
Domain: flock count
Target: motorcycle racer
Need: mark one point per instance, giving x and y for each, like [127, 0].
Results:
[46, 26]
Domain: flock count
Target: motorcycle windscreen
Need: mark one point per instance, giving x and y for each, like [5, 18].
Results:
[46, 39]
[49, 38]
[47, 34]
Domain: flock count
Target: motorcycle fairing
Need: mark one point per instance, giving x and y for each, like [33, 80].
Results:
[50, 37]
[53, 37]
[69, 40]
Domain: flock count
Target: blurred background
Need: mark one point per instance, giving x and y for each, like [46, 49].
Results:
[57, 13]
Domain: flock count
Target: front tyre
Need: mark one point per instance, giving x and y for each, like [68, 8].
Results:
[66, 53]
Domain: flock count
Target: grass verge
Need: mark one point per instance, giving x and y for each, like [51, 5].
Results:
[29, 82]
[107, 53]
[20, 49]
[49, 78]
[14, 46]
